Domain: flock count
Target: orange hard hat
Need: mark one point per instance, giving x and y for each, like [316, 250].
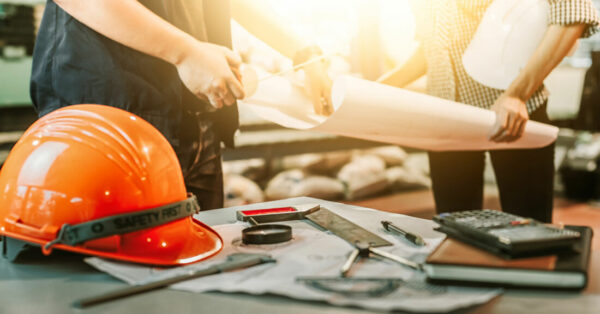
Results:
[101, 181]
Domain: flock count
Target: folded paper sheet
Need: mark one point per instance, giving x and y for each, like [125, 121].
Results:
[377, 112]
[302, 258]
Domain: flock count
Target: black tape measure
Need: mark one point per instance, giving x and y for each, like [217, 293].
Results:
[266, 234]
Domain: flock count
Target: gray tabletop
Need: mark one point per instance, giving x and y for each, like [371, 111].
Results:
[40, 284]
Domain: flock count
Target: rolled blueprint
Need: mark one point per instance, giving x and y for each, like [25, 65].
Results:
[381, 113]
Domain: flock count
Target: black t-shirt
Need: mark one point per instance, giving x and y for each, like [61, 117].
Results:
[73, 64]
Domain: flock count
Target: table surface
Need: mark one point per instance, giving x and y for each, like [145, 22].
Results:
[40, 284]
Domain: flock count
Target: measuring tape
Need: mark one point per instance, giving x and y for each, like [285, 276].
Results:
[266, 234]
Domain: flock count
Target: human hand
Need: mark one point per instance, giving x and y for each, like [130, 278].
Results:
[511, 118]
[318, 86]
[317, 82]
[211, 72]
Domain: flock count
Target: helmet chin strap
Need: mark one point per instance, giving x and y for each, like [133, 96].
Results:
[124, 223]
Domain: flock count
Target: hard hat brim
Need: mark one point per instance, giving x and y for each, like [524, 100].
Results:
[184, 241]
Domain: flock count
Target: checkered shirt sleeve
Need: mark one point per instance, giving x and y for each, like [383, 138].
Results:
[446, 27]
[567, 12]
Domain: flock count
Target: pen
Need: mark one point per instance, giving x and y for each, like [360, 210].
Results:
[413, 238]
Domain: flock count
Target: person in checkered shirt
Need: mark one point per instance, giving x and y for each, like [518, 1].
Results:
[524, 176]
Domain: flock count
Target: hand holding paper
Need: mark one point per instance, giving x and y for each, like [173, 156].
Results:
[511, 117]
[376, 112]
[317, 83]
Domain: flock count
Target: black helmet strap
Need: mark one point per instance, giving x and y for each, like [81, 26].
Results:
[125, 223]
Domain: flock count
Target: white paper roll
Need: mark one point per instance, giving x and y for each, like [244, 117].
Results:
[377, 112]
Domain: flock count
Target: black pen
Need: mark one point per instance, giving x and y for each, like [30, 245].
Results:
[413, 238]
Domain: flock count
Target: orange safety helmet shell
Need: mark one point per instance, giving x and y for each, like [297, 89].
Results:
[87, 162]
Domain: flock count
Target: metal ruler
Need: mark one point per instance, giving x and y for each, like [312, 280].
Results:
[319, 215]
[345, 229]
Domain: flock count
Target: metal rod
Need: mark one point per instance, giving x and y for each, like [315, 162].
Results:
[348, 264]
[397, 259]
[234, 262]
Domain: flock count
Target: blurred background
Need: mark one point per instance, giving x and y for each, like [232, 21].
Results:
[367, 37]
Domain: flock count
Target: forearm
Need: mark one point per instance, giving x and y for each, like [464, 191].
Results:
[411, 70]
[130, 23]
[555, 45]
[251, 14]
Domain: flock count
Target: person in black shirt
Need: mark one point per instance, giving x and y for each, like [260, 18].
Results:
[167, 61]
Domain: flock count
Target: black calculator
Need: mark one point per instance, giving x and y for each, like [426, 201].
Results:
[505, 234]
